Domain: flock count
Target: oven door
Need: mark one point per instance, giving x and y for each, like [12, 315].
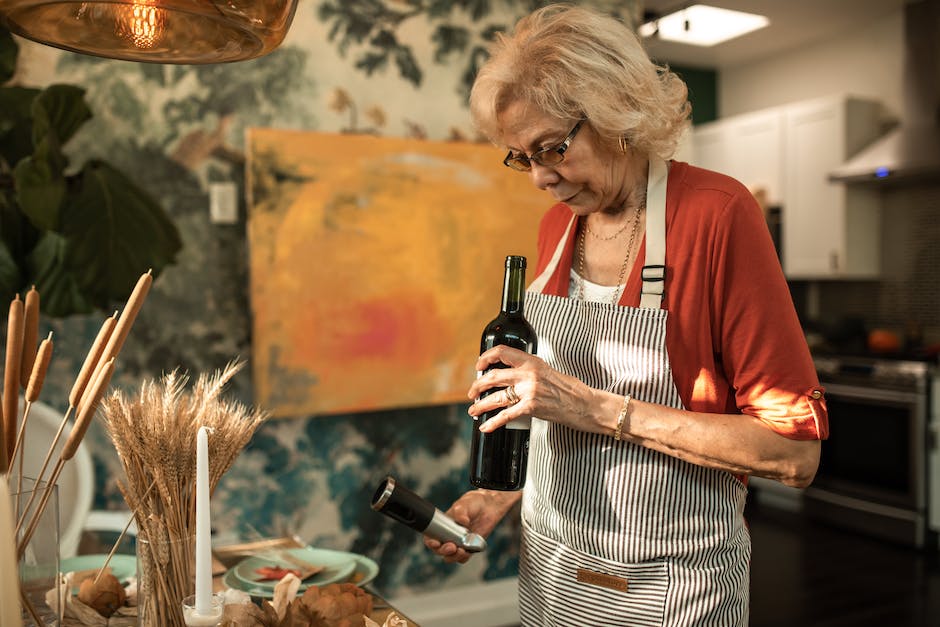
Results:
[871, 475]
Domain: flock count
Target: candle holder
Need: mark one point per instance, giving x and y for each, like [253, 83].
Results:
[195, 619]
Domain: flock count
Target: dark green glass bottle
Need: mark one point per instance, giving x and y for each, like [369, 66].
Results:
[498, 459]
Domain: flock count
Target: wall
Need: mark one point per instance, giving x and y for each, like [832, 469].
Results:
[175, 129]
[866, 62]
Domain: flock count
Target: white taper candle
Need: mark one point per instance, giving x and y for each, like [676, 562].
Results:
[9, 599]
[203, 540]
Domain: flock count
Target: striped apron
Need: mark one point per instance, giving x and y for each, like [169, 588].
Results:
[615, 533]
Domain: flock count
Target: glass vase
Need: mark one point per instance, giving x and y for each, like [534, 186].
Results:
[39, 562]
[166, 566]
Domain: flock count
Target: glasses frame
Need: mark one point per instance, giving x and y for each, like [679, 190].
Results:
[554, 154]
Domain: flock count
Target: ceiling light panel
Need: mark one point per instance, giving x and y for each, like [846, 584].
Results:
[703, 25]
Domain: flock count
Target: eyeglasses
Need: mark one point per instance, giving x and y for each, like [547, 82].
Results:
[551, 156]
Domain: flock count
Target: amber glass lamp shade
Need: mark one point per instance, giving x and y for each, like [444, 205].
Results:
[155, 31]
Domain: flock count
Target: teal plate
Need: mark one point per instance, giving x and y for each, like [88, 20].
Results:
[123, 567]
[231, 581]
[364, 571]
[337, 566]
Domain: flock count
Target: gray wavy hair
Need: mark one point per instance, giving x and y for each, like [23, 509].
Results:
[573, 62]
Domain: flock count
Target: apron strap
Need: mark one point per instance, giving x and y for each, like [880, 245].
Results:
[654, 269]
[538, 284]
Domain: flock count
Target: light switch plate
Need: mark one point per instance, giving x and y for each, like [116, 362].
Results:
[223, 203]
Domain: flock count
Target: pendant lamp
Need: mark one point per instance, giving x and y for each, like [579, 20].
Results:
[154, 31]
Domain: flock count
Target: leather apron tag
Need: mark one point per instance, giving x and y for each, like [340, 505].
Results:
[602, 579]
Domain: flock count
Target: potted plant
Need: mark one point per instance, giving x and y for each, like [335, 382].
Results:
[82, 234]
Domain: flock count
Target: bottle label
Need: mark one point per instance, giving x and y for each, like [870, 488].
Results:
[523, 424]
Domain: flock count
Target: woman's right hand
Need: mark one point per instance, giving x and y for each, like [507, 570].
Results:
[479, 511]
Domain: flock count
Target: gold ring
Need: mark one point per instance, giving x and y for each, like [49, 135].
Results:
[511, 395]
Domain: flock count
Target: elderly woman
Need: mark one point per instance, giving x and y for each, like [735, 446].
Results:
[671, 361]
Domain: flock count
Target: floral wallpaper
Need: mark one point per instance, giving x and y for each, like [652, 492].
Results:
[399, 69]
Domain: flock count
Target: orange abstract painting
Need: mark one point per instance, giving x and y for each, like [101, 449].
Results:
[374, 264]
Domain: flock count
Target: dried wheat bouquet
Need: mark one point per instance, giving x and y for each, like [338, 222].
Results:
[154, 432]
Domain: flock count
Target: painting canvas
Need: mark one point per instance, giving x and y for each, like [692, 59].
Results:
[375, 264]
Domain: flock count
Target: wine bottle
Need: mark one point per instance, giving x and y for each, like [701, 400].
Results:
[498, 459]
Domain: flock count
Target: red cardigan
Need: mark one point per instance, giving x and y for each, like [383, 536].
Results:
[733, 337]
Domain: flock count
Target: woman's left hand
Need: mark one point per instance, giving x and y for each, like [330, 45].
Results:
[541, 390]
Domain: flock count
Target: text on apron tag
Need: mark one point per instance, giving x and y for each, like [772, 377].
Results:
[602, 579]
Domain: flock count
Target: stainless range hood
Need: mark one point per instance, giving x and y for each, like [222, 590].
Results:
[910, 152]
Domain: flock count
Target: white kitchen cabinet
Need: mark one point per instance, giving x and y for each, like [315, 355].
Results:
[830, 229]
[747, 147]
[711, 143]
[684, 151]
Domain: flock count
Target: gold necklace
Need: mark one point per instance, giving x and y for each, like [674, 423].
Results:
[605, 239]
[623, 267]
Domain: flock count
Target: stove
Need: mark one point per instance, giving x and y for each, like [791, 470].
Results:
[879, 471]
[900, 373]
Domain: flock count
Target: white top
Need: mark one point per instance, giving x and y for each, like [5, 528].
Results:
[592, 292]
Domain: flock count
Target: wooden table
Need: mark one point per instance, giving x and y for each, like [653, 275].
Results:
[381, 612]
[229, 555]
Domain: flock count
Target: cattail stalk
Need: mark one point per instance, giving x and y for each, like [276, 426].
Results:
[11, 381]
[30, 607]
[91, 360]
[126, 320]
[30, 335]
[36, 378]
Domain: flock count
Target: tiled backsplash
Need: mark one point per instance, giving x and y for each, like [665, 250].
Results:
[908, 292]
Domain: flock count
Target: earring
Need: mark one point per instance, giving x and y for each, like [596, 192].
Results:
[622, 141]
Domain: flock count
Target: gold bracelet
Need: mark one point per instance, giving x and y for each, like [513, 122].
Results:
[618, 433]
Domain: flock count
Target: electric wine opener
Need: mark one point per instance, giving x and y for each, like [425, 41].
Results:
[401, 504]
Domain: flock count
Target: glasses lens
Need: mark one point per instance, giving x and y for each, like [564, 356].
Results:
[517, 162]
[548, 157]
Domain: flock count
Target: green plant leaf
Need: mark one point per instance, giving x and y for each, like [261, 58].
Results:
[115, 233]
[449, 39]
[154, 72]
[407, 65]
[61, 294]
[9, 51]
[478, 9]
[372, 61]
[40, 189]
[16, 231]
[61, 109]
[9, 274]
[16, 140]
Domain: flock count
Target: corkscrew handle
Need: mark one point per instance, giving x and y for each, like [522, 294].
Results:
[401, 504]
